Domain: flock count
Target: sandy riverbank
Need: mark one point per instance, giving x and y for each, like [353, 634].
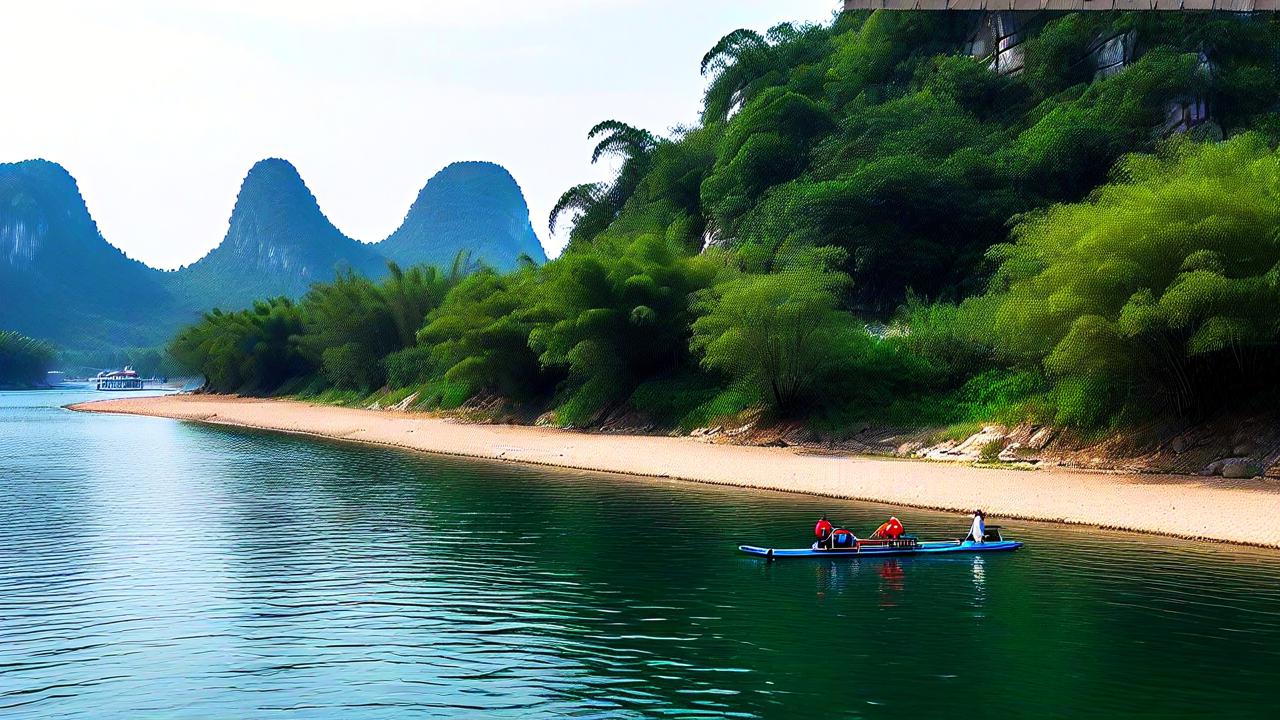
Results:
[1237, 511]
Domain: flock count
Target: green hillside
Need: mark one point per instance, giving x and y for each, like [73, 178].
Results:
[61, 280]
[868, 224]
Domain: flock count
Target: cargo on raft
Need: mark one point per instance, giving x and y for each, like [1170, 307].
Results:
[906, 545]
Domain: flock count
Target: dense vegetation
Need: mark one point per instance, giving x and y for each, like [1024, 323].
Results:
[1162, 291]
[23, 360]
[866, 225]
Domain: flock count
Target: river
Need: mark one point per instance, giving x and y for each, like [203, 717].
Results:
[151, 568]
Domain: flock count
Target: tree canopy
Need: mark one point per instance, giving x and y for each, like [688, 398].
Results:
[24, 360]
[865, 223]
[1163, 287]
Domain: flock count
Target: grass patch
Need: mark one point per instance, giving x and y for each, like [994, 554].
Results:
[341, 398]
[956, 432]
[441, 394]
[395, 397]
[690, 400]
[990, 452]
[725, 408]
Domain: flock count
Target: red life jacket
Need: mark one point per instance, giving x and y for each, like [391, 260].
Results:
[895, 528]
[892, 529]
[822, 529]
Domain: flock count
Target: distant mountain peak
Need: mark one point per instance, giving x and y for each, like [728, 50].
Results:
[59, 278]
[275, 204]
[478, 175]
[47, 169]
[475, 207]
[40, 204]
[273, 175]
[278, 241]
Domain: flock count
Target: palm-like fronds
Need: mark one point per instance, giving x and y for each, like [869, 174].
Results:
[601, 202]
[730, 47]
[576, 200]
[744, 61]
[620, 139]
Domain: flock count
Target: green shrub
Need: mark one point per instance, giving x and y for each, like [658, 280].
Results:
[409, 367]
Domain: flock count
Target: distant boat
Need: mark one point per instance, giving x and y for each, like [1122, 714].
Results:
[116, 380]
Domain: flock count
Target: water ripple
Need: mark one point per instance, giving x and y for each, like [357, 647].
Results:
[151, 568]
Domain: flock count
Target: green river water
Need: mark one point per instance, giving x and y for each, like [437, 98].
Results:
[151, 568]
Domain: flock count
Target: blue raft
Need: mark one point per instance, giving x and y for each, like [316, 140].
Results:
[906, 545]
[938, 547]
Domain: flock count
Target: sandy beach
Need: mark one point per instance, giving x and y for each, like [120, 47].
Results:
[1235, 511]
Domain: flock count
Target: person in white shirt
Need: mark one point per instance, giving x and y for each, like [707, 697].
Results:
[978, 531]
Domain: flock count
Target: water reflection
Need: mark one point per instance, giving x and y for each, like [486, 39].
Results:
[892, 582]
[189, 571]
[979, 581]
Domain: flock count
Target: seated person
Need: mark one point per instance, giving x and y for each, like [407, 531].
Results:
[823, 531]
[841, 538]
[891, 530]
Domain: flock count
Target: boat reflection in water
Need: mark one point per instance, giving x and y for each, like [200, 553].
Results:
[838, 578]
[979, 581]
[893, 581]
[841, 578]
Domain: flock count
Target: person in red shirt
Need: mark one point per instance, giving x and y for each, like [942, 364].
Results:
[891, 530]
[831, 537]
[823, 529]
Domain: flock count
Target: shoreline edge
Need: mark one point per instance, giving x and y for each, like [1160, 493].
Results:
[1242, 512]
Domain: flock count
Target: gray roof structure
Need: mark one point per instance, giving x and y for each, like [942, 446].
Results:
[1221, 5]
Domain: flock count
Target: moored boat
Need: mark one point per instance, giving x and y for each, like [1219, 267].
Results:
[126, 379]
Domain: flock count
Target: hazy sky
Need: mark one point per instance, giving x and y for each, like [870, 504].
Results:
[159, 108]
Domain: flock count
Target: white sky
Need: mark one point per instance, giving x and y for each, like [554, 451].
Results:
[159, 107]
